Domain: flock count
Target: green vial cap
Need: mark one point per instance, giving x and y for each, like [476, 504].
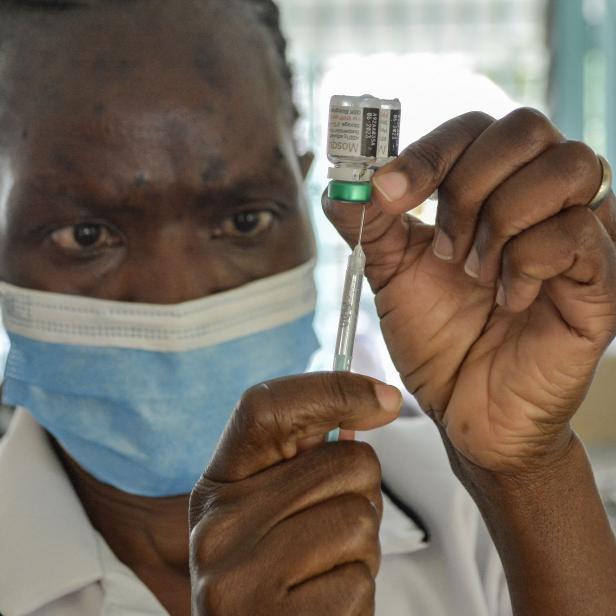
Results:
[351, 192]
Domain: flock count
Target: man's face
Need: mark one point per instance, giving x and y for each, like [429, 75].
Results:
[149, 160]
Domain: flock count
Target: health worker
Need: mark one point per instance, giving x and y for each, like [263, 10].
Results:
[156, 262]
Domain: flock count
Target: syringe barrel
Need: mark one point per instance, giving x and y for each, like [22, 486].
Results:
[348, 318]
[349, 310]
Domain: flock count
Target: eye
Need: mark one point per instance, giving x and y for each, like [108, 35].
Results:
[84, 237]
[246, 224]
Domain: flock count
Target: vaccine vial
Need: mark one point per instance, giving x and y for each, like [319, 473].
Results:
[363, 134]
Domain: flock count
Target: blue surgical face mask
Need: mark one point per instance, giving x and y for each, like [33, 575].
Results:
[138, 394]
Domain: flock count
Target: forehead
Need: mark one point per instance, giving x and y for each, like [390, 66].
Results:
[184, 92]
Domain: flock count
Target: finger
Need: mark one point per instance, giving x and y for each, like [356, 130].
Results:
[420, 169]
[255, 579]
[273, 419]
[565, 175]
[320, 474]
[409, 180]
[219, 526]
[574, 252]
[346, 218]
[332, 533]
[348, 590]
[385, 237]
[502, 149]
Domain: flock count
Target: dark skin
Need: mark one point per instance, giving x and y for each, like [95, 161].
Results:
[160, 157]
[150, 147]
[179, 190]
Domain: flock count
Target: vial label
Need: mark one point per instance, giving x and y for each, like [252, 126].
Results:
[353, 131]
[389, 133]
[394, 132]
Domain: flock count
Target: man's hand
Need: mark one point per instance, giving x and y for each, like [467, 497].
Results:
[497, 318]
[281, 522]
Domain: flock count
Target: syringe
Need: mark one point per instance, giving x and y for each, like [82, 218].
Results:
[348, 312]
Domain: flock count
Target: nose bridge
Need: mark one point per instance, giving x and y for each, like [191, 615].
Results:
[171, 268]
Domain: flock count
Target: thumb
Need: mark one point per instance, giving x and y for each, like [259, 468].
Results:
[275, 420]
[400, 186]
[384, 237]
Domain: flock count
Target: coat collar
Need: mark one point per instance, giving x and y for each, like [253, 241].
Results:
[49, 548]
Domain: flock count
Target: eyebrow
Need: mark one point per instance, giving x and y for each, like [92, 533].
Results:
[79, 200]
[276, 182]
[216, 167]
[41, 192]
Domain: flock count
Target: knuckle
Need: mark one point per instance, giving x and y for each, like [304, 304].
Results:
[252, 400]
[426, 156]
[366, 462]
[212, 594]
[454, 187]
[576, 162]
[207, 541]
[531, 125]
[364, 586]
[475, 121]
[365, 518]
[233, 588]
[258, 413]
[579, 156]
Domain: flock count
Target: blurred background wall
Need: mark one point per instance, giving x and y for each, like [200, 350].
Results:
[558, 55]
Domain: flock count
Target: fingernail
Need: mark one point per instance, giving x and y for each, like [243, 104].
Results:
[393, 185]
[389, 397]
[442, 246]
[471, 267]
[501, 298]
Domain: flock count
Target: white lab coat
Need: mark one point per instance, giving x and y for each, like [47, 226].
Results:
[53, 562]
